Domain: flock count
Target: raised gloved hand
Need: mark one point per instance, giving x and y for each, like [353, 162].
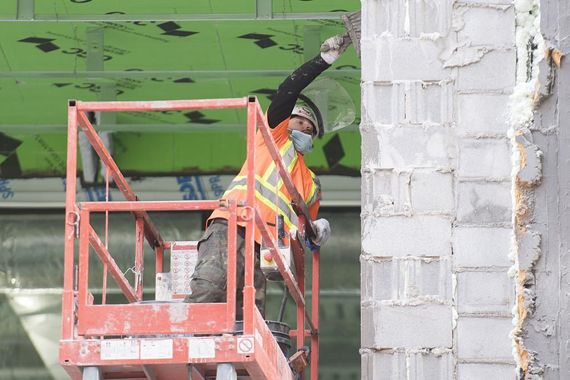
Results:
[323, 230]
[334, 46]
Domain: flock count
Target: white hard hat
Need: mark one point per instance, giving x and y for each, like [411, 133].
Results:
[306, 112]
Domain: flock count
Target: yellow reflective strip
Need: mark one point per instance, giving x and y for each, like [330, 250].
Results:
[269, 204]
[269, 189]
[282, 196]
[289, 169]
[272, 167]
[313, 191]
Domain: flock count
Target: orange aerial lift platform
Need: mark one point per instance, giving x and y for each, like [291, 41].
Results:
[142, 339]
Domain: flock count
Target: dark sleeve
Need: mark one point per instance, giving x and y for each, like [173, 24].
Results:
[286, 96]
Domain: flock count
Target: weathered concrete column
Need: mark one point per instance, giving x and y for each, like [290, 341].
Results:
[436, 189]
[540, 121]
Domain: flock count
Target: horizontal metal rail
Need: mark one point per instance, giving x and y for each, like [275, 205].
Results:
[162, 105]
[139, 206]
[340, 71]
[59, 17]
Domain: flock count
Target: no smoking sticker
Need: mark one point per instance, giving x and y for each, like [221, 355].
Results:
[245, 345]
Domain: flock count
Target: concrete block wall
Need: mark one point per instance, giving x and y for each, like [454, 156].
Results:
[436, 189]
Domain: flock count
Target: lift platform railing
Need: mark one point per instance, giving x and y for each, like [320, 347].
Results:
[84, 324]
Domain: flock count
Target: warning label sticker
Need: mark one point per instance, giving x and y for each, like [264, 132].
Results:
[157, 349]
[245, 345]
[201, 348]
[119, 349]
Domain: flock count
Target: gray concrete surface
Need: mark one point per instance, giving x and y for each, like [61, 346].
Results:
[437, 205]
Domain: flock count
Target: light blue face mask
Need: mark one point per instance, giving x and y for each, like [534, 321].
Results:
[302, 142]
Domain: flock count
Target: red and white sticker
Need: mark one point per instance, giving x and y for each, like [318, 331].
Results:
[245, 345]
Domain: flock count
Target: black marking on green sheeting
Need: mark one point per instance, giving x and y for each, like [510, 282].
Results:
[262, 40]
[334, 152]
[346, 67]
[44, 44]
[199, 118]
[10, 168]
[8, 144]
[61, 84]
[173, 29]
[184, 80]
[295, 48]
[9, 162]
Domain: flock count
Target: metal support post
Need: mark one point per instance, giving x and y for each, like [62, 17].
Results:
[139, 257]
[25, 10]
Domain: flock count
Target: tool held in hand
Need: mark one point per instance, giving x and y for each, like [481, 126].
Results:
[352, 22]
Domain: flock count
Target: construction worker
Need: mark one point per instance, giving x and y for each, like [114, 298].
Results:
[294, 127]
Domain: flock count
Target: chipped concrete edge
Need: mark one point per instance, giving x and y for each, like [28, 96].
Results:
[526, 176]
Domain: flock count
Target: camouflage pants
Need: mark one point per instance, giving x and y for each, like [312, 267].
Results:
[209, 281]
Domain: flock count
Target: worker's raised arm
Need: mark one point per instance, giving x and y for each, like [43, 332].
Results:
[286, 96]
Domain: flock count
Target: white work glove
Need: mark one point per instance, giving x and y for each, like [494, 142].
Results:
[334, 46]
[323, 230]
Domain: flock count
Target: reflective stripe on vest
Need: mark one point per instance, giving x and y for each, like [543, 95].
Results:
[287, 152]
[265, 194]
[315, 191]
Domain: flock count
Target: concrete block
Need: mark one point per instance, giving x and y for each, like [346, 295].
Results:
[432, 192]
[482, 114]
[403, 279]
[406, 236]
[408, 102]
[498, 29]
[495, 71]
[407, 147]
[421, 326]
[484, 202]
[399, 365]
[484, 292]
[406, 19]
[477, 371]
[490, 158]
[386, 192]
[479, 247]
[484, 338]
[383, 102]
[388, 59]
[429, 103]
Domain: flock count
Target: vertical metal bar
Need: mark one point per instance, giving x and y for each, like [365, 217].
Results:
[104, 291]
[70, 218]
[301, 308]
[232, 265]
[104, 294]
[95, 46]
[264, 9]
[139, 253]
[25, 10]
[315, 315]
[159, 259]
[83, 283]
[249, 290]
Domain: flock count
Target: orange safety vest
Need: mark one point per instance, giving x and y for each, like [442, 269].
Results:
[272, 198]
